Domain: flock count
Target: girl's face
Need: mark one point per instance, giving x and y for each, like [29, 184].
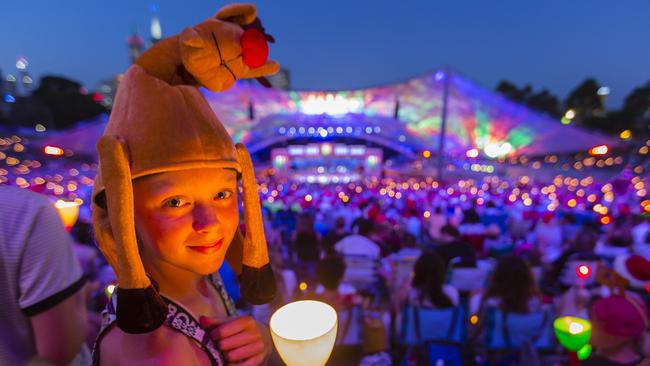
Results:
[186, 219]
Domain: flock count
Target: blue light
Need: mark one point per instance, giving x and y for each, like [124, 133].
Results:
[9, 98]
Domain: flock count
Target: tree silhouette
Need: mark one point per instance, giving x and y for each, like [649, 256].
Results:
[57, 103]
[636, 109]
[542, 101]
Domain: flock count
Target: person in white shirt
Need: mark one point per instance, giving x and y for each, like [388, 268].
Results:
[359, 244]
[43, 317]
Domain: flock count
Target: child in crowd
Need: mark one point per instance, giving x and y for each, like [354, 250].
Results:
[619, 323]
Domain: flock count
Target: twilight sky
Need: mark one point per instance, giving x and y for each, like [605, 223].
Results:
[334, 44]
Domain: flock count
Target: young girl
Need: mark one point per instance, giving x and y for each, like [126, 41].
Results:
[165, 206]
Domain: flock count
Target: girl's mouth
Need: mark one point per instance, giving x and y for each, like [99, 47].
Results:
[207, 249]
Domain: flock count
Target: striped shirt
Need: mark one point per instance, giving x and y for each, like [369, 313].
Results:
[38, 269]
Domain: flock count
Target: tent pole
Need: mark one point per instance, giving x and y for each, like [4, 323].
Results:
[443, 122]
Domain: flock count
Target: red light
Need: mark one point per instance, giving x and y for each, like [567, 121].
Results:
[583, 271]
[98, 97]
[647, 287]
[53, 150]
[599, 150]
[472, 153]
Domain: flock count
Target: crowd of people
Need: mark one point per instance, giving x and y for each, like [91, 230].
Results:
[375, 258]
[462, 266]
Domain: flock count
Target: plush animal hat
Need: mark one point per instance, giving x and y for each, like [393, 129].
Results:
[161, 122]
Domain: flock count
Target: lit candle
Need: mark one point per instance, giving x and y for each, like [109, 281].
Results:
[304, 332]
[69, 212]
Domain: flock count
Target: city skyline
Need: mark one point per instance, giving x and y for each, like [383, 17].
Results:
[352, 45]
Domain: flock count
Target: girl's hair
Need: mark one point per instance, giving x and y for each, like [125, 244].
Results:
[429, 278]
[512, 283]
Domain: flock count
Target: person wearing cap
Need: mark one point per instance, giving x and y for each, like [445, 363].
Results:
[635, 269]
[618, 325]
[165, 207]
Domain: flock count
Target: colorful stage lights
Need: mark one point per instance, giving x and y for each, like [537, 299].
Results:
[583, 271]
[53, 150]
[472, 153]
[599, 150]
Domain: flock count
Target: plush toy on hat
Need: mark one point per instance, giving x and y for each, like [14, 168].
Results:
[161, 122]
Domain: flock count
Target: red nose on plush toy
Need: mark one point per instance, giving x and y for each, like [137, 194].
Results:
[254, 48]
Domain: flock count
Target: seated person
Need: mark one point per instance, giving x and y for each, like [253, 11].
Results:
[510, 312]
[396, 268]
[618, 324]
[511, 289]
[451, 246]
[348, 347]
[427, 288]
[582, 246]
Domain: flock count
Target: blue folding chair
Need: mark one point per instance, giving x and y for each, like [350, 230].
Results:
[509, 331]
[432, 335]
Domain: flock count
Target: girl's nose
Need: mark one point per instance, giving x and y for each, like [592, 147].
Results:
[205, 219]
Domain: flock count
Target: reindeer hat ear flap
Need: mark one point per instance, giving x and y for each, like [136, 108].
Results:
[249, 255]
[140, 308]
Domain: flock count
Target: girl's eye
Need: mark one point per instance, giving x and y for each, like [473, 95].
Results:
[223, 195]
[175, 202]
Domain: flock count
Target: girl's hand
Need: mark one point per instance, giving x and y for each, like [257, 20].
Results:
[242, 340]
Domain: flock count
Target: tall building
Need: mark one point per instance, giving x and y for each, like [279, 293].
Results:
[107, 89]
[12, 88]
[136, 45]
[155, 29]
[26, 81]
[3, 88]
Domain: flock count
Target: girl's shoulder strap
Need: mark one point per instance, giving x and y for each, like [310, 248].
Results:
[178, 319]
[217, 283]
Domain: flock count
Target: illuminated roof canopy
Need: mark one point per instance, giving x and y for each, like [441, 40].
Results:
[476, 118]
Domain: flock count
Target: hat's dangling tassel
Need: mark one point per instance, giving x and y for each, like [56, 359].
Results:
[249, 255]
[140, 308]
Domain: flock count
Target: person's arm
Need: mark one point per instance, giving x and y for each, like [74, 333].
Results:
[60, 330]
[51, 286]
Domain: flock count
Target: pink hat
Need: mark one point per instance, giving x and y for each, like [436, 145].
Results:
[621, 316]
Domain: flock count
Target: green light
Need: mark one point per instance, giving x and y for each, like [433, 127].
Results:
[520, 136]
[482, 129]
[565, 121]
[573, 333]
[279, 161]
[372, 161]
[584, 352]
[326, 149]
